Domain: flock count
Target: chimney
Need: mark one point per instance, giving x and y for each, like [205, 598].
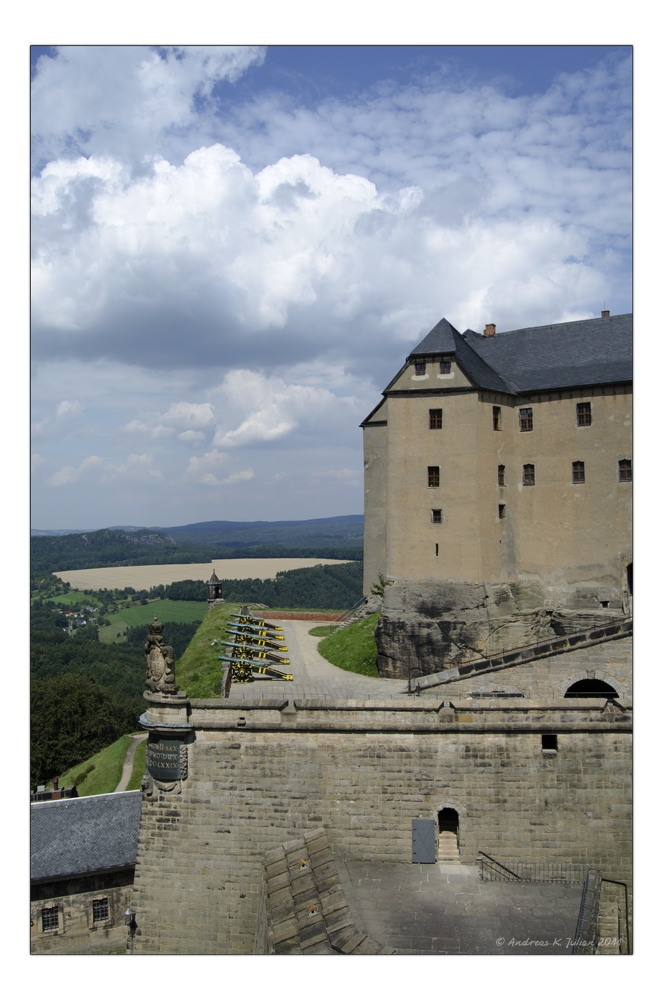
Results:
[490, 330]
[55, 784]
[605, 313]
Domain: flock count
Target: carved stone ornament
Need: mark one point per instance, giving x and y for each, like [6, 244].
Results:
[160, 661]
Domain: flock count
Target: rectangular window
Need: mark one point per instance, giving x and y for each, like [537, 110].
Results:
[526, 419]
[548, 741]
[528, 475]
[49, 919]
[578, 472]
[497, 418]
[435, 419]
[500, 475]
[501, 510]
[420, 368]
[445, 367]
[99, 910]
[625, 471]
[584, 414]
[436, 516]
[433, 475]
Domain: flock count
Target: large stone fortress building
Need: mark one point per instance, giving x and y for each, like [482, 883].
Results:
[498, 491]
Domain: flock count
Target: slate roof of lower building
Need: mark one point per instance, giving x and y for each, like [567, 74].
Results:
[84, 835]
[533, 359]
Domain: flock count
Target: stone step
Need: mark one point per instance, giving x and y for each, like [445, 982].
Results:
[447, 848]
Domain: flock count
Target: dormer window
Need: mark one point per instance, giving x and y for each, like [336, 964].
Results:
[445, 367]
[420, 368]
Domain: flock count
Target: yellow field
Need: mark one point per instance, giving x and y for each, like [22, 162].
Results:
[144, 577]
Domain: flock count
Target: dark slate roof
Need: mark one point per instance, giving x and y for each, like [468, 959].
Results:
[557, 356]
[439, 341]
[76, 836]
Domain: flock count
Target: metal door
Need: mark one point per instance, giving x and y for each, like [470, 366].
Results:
[423, 841]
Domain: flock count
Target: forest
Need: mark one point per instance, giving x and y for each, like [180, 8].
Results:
[145, 547]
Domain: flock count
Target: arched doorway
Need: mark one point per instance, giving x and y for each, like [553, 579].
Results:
[447, 824]
[589, 687]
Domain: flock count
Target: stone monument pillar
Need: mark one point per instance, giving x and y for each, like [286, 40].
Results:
[166, 718]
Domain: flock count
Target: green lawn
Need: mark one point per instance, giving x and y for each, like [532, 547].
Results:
[352, 648]
[141, 614]
[138, 770]
[100, 773]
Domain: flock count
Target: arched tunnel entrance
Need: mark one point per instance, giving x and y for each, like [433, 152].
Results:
[447, 824]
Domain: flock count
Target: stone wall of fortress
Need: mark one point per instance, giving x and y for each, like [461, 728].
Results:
[261, 775]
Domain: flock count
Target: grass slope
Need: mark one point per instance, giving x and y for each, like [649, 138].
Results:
[101, 773]
[352, 648]
[199, 670]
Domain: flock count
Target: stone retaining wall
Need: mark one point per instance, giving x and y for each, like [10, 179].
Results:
[258, 778]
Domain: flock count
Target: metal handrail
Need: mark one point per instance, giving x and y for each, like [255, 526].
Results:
[499, 863]
[347, 614]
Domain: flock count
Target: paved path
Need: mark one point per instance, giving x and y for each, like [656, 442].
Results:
[445, 909]
[315, 677]
[129, 762]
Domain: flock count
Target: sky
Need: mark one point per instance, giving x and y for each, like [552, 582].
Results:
[235, 248]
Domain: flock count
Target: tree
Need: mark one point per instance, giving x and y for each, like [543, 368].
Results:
[72, 718]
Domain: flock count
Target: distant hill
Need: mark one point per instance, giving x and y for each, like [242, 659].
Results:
[238, 534]
[330, 538]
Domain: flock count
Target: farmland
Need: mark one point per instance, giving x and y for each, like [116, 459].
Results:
[145, 577]
[169, 611]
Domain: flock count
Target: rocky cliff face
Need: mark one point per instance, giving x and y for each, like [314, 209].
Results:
[428, 626]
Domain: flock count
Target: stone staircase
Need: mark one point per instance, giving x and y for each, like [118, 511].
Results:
[611, 922]
[447, 848]
[526, 654]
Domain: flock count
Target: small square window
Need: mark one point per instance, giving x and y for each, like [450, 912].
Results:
[445, 367]
[501, 510]
[497, 418]
[433, 476]
[548, 741]
[99, 910]
[435, 419]
[49, 919]
[420, 368]
[436, 516]
[526, 419]
[500, 475]
[578, 472]
[584, 414]
[528, 475]
[625, 471]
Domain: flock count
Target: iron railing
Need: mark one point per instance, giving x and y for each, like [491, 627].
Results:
[345, 615]
[492, 870]
[587, 929]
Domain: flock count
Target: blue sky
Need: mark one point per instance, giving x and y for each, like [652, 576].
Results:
[235, 248]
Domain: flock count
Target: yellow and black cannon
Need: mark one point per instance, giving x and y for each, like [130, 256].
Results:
[242, 670]
[255, 652]
[257, 638]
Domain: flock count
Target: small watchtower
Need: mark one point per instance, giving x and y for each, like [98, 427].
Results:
[214, 591]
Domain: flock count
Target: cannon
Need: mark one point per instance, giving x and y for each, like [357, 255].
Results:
[242, 670]
[241, 649]
[255, 640]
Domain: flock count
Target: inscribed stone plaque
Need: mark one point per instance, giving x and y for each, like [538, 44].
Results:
[163, 759]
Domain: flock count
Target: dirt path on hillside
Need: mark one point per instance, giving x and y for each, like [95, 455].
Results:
[127, 767]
